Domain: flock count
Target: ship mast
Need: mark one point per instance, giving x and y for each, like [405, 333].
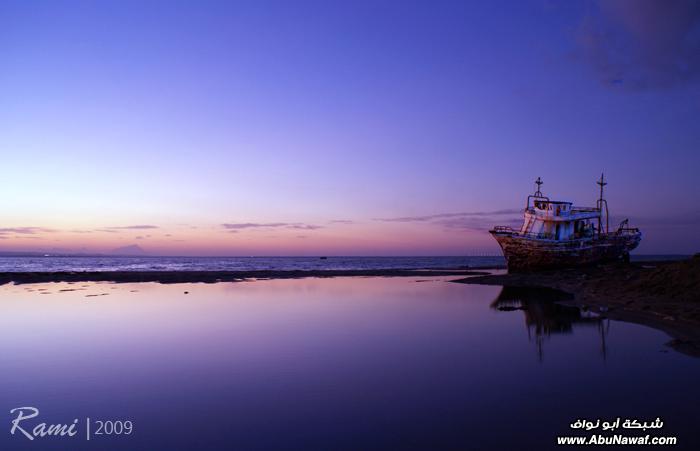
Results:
[539, 183]
[599, 205]
[538, 193]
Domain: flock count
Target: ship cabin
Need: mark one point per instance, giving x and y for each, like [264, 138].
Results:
[557, 220]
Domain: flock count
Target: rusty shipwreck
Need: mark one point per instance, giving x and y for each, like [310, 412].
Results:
[556, 234]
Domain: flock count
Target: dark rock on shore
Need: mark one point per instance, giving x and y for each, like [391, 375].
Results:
[664, 295]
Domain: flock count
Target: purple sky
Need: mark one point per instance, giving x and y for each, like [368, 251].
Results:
[294, 128]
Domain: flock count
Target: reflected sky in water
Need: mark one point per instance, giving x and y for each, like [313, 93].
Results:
[345, 363]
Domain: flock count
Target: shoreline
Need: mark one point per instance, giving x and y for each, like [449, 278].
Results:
[220, 276]
[663, 295]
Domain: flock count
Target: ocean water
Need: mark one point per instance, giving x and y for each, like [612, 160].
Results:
[321, 364]
[39, 264]
[57, 263]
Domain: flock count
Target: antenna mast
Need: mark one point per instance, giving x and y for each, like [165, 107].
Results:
[600, 204]
[539, 183]
[538, 193]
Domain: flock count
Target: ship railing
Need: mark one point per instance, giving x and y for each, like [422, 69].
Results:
[573, 210]
[503, 229]
[623, 231]
[509, 230]
[627, 231]
[584, 209]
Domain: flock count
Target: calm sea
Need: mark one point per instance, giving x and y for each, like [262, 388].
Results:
[328, 364]
[38, 264]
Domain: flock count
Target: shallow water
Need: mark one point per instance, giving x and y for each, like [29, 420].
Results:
[344, 363]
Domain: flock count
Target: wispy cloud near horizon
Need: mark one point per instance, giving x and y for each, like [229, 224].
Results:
[133, 227]
[432, 217]
[116, 229]
[25, 230]
[236, 226]
[466, 220]
[465, 223]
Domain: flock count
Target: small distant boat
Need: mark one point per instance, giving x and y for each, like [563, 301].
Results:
[323, 258]
[556, 234]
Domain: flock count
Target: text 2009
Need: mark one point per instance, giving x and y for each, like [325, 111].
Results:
[112, 427]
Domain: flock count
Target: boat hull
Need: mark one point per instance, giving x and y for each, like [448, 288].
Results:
[525, 253]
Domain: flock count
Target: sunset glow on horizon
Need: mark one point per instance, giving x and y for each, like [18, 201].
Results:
[377, 128]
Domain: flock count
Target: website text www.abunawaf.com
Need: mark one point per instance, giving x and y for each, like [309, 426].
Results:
[610, 426]
[617, 439]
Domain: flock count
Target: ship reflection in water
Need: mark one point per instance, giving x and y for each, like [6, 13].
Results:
[545, 316]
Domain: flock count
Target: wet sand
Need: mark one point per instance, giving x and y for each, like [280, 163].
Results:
[664, 295]
[217, 276]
